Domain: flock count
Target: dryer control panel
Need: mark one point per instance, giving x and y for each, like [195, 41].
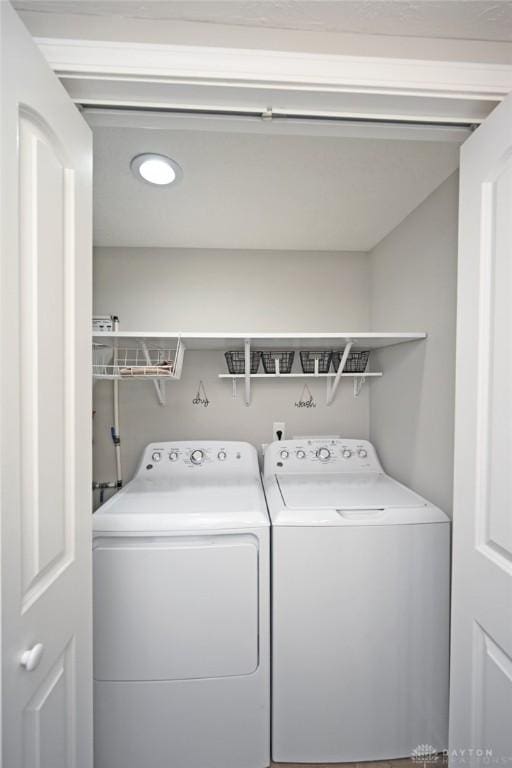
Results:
[321, 455]
[211, 457]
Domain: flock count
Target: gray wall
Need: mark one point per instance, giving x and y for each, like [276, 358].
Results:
[158, 289]
[407, 283]
[216, 290]
[413, 287]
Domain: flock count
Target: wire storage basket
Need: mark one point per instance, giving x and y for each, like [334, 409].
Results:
[356, 361]
[308, 360]
[284, 361]
[140, 362]
[236, 361]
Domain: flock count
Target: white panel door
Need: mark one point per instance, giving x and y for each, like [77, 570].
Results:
[481, 671]
[45, 409]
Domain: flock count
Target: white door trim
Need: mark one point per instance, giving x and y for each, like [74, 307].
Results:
[237, 65]
[337, 84]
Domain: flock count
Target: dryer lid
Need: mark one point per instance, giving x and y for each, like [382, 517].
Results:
[147, 506]
[345, 492]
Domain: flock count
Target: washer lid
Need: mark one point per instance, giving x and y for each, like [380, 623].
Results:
[346, 492]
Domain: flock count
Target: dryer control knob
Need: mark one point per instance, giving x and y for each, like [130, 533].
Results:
[323, 454]
[347, 453]
[301, 454]
[222, 455]
[197, 456]
[362, 453]
[156, 455]
[284, 454]
[173, 456]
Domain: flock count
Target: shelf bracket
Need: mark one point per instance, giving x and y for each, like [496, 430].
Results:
[332, 389]
[247, 348]
[159, 385]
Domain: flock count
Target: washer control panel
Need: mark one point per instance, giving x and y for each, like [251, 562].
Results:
[208, 456]
[321, 455]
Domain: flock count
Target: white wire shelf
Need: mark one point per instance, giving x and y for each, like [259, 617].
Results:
[139, 361]
[136, 363]
[134, 373]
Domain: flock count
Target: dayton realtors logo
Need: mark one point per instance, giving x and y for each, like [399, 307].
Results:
[425, 754]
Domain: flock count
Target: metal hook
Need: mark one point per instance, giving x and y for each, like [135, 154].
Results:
[358, 385]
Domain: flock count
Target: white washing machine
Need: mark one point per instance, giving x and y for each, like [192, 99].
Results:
[181, 612]
[360, 607]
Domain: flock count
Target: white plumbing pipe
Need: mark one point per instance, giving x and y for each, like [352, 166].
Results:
[115, 435]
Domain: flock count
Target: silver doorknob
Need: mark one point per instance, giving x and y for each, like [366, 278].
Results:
[30, 659]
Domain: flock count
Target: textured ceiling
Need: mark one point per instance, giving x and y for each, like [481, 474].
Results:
[262, 191]
[484, 20]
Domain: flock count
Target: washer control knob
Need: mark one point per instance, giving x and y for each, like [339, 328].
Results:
[156, 456]
[347, 453]
[222, 455]
[362, 453]
[301, 454]
[197, 456]
[173, 456]
[323, 454]
[284, 454]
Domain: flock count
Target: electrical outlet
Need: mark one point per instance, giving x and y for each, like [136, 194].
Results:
[279, 430]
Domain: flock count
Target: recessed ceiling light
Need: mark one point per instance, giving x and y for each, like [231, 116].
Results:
[156, 169]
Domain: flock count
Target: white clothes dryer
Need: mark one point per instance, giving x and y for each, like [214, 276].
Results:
[360, 607]
[181, 612]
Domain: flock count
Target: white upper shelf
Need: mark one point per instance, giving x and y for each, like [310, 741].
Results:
[234, 341]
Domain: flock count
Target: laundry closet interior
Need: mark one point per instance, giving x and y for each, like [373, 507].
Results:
[274, 226]
[289, 298]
